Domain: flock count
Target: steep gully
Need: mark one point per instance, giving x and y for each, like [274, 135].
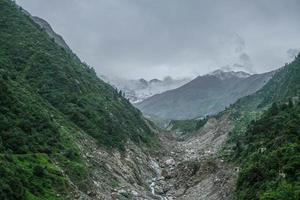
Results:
[185, 167]
[191, 167]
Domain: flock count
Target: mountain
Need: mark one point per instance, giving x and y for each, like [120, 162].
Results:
[64, 133]
[258, 137]
[229, 74]
[269, 155]
[205, 95]
[141, 89]
[265, 139]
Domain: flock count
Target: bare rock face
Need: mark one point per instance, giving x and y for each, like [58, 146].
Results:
[115, 175]
[170, 162]
[194, 170]
[189, 168]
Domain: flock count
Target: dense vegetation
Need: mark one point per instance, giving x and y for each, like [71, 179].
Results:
[187, 126]
[265, 140]
[32, 136]
[30, 55]
[48, 98]
[269, 154]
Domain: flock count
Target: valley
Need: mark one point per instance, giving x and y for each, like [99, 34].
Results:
[190, 167]
[65, 134]
[193, 167]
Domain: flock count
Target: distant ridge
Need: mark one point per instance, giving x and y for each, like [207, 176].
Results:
[141, 89]
[205, 95]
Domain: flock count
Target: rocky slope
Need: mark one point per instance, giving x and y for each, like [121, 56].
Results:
[204, 95]
[191, 167]
[65, 134]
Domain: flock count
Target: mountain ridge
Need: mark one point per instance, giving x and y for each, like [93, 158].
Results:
[203, 95]
[64, 133]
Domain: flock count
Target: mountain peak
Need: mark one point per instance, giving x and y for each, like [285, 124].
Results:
[228, 74]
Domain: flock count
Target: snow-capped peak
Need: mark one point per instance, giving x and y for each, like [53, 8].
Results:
[230, 74]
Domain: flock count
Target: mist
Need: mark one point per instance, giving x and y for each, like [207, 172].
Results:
[154, 39]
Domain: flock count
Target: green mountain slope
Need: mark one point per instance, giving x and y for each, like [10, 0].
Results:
[28, 54]
[269, 154]
[48, 98]
[33, 135]
[284, 85]
[265, 139]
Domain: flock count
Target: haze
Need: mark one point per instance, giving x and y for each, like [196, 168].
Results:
[154, 39]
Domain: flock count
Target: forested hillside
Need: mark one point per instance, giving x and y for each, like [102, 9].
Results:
[266, 138]
[284, 86]
[264, 141]
[269, 154]
[66, 134]
[48, 98]
[30, 57]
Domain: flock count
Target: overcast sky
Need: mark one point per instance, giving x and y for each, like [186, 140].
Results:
[181, 38]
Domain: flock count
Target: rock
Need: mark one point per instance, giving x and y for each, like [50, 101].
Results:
[114, 196]
[164, 173]
[135, 193]
[123, 193]
[152, 184]
[179, 192]
[170, 162]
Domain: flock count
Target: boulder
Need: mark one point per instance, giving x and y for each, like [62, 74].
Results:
[123, 193]
[170, 162]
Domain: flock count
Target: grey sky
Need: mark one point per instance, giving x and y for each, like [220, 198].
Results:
[155, 38]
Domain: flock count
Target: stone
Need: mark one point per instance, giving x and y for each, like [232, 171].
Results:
[114, 196]
[170, 162]
[123, 193]
[135, 193]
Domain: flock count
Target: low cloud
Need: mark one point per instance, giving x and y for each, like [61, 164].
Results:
[154, 39]
[240, 43]
[292, 53]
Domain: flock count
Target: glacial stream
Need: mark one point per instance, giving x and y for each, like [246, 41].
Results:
[157, 170]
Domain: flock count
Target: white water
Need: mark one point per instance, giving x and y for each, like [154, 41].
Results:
[157, 170]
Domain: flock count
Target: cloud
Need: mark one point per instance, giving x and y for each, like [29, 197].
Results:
[154, 39]
[292, 53]
[227, 68]
[246, 63]
[240, 43]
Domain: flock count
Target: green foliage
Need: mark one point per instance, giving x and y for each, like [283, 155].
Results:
[265, 139]
[188, 126]
[31, 136]
[47, 98]
[30, 56]
[269, 156]
[30, 176]
[284, 87]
